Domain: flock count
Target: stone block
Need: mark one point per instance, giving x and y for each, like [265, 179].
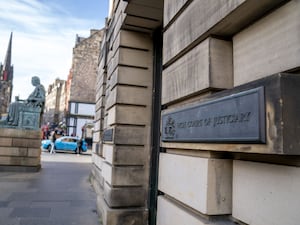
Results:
[101, 90]
[205, 184]
[6, 141]
[171, 8]
[133, 39]
[101, 68]
[104, 126]
[225, 19]
[13, 151]
[21, 142]
[97, 161]
[129, 135]
[266, 194]
[96, 136]
[124, 114]
[127, 216]
[110, 62]
[208, 65]
[133, 57]
[97, 170]
[117, 22]
[20, 133]
[130, 57]
[97, 180]
[94, 146]
[278, 120]
[170, 213]
[34, 152]
[131, 76]
[20, 161]
[98, 124]
[5, 160]
[99, 94]
[141, 24]
[98, 113]
[268, 46]
[144, 16]
[102, 98]
[30, 143]
[123, 175]
[102, 77]
[124, 155]
[128, 95]
[124, 196]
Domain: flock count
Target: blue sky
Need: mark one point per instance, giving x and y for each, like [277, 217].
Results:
[44, 34]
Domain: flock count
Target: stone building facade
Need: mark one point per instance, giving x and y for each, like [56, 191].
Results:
[6, 80]
[81, 82]
[5, 96]
[197, 113]
[55, 103]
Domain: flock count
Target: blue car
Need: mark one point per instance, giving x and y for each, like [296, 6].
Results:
[65, 143]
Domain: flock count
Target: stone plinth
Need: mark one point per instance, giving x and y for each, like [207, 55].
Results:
[20, 149]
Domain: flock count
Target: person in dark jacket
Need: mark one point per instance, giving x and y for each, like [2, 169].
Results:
[79, 145]
[52, 139]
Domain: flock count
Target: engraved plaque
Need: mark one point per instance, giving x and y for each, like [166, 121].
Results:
[108, 135]
[237, 118]
[29, 120]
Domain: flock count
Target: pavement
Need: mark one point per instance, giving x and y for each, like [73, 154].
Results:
[59, 194]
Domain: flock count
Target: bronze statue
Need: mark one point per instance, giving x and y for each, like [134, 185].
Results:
[26, 113]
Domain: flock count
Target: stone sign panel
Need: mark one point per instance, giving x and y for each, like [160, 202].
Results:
[237, 118]
[108, 135]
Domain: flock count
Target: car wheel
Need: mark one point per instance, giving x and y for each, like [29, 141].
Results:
[49, 148]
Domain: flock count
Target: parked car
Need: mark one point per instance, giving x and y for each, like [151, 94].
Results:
[65, 143]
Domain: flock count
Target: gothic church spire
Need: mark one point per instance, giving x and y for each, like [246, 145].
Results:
[7, 74]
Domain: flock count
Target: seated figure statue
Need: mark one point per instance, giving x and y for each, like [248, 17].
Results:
[30, 109]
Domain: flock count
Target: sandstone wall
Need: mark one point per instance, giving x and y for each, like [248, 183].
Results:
[210, 49]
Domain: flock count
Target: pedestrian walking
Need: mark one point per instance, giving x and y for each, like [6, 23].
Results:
[79, 146]
[52, 139]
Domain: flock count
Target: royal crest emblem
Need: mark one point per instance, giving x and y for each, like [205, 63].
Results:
[169, 129]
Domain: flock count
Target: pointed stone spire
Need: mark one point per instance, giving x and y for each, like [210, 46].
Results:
[7, 67]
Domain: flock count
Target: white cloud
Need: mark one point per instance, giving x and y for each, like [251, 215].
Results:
[43, 39]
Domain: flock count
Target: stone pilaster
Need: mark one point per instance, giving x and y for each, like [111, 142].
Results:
[127, 109]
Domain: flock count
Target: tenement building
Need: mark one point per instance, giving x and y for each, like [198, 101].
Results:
[197, 113]
[55, 103]
[80, 93]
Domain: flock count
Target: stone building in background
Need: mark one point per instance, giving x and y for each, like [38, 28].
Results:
[80, 93]
[55, 104]
[6, 79]
[197, 113]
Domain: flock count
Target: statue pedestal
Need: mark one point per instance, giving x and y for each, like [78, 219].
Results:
[20, 150]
